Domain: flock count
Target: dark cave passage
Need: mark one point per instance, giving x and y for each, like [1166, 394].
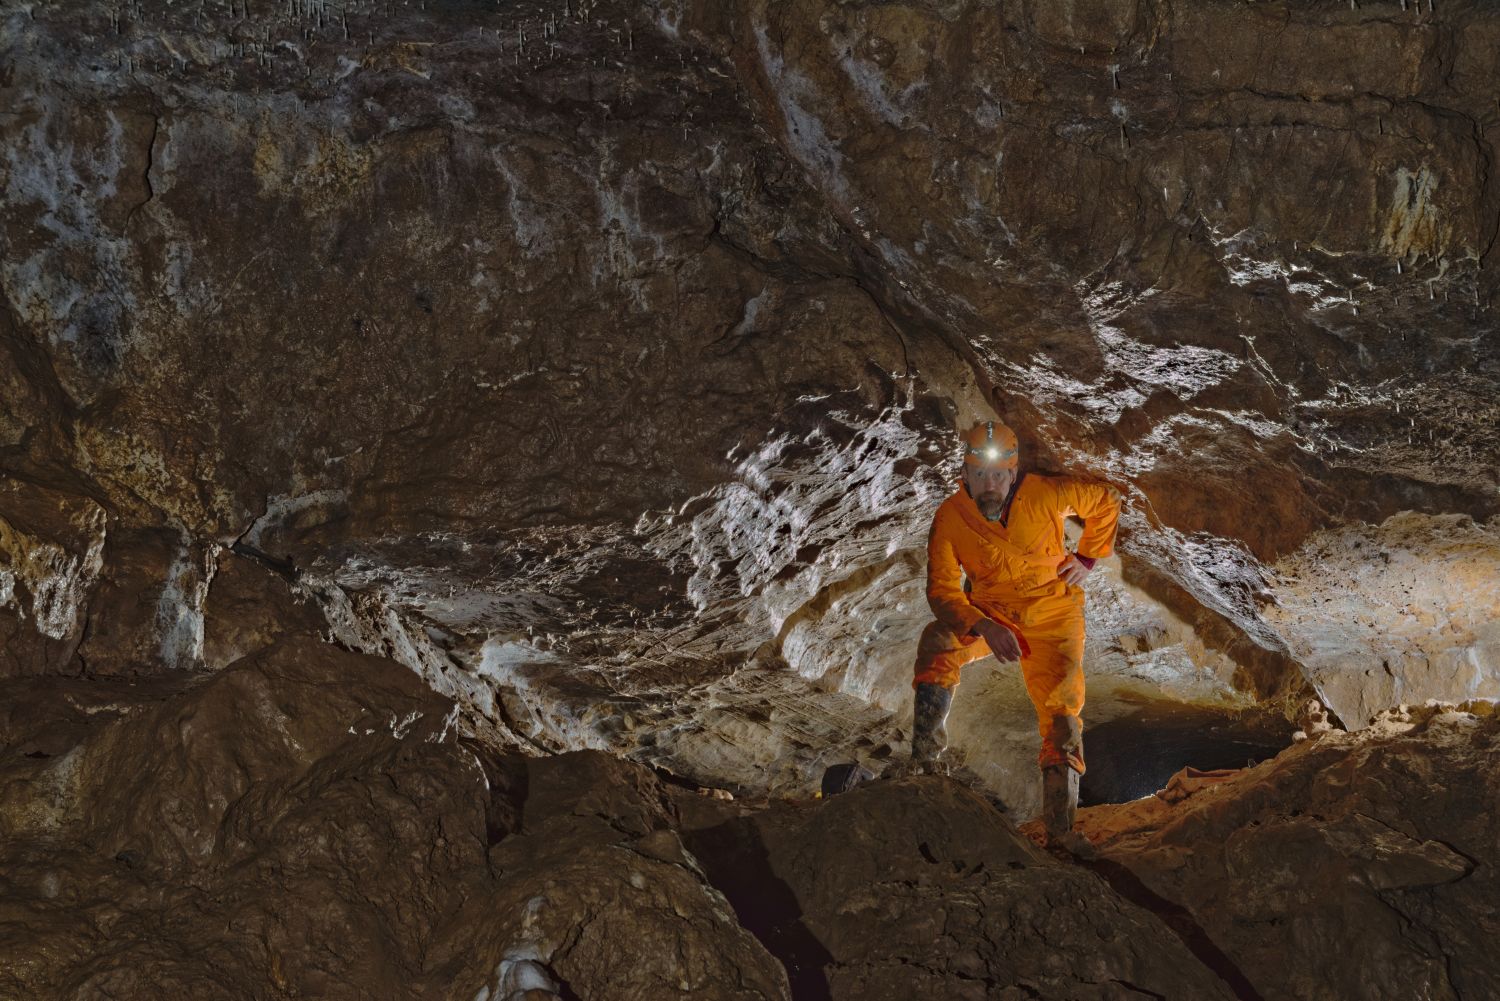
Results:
[1134, 755]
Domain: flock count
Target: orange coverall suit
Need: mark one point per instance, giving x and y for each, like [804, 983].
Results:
[1012, 572]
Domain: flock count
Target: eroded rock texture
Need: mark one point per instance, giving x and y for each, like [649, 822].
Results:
[919, 887]
[598, 364]
[308, 823]
[1351, 866]
[582, 357]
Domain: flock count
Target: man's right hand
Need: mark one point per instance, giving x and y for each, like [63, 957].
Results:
[1002, 642]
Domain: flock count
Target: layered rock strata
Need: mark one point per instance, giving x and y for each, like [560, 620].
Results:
[582, 358]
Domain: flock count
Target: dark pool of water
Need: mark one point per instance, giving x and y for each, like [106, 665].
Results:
[1134, 755]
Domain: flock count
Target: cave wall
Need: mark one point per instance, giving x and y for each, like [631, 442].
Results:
[581, 355]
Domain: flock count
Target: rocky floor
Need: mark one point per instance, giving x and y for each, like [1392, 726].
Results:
[1350, 866]
[309, 823]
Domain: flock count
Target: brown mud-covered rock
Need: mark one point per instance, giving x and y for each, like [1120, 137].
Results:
[307, 822]
[919, 887]
[220, 840]
[250, 605]
[1350, 866]
[146, 612]
[597, 889]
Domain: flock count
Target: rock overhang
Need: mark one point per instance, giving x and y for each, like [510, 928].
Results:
[665, 315]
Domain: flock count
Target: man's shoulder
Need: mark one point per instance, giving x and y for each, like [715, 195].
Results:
[1039, 483]
[1041, 488]
[1054, 481]
[1059, 490]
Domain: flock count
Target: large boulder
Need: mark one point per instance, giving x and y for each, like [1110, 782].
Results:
[921, 888]
[307, 822]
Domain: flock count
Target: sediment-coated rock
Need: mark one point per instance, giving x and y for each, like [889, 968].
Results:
[306, 822]
[920, 887]
[1351, 866]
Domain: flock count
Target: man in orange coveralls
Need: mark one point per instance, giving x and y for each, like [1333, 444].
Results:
[1000, 581]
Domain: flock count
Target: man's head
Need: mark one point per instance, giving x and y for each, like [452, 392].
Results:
[991, 454]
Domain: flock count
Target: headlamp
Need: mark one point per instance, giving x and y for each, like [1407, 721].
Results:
[990, 443]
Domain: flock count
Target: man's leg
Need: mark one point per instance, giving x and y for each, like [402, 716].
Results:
[941, 656]
[1054, 680]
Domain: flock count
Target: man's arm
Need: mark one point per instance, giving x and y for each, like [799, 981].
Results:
[1098, 504]
[945, 585]
[951, 605]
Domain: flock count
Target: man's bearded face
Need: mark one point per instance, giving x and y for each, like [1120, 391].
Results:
[988, 485]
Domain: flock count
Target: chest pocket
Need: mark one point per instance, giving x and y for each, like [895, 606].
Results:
[996, 559]
[1039, 538]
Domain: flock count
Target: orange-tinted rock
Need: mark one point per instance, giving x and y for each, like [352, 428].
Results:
[1375, 841]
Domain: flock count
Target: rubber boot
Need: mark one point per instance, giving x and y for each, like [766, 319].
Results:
[929, 729]
[1059, 808]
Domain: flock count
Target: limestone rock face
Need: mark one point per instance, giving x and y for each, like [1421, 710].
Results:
[1401, 612]
[51, 553]
[1351, 866]
[397, 398]
[582, 359]
[308, 822]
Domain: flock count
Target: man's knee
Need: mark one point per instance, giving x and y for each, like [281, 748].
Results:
[939, 638]
[1056, 685]
[941, 655]
[940, 671]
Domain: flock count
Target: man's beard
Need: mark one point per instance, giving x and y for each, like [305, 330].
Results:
[992, 506]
